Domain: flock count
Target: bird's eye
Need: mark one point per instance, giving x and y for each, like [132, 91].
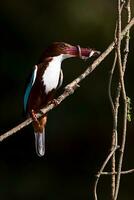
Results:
[62, 45]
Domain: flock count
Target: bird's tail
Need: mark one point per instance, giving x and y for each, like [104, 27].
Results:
[40, 142]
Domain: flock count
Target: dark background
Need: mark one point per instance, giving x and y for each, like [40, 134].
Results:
[79, 130]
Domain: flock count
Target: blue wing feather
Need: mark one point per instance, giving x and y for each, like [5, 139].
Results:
[29, 87]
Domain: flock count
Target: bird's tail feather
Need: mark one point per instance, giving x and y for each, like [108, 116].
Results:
[40, 143]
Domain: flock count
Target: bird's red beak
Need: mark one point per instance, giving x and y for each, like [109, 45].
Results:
[83, 53]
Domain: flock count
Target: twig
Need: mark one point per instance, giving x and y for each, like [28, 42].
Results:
[121, 82]
[126, 49]
[110, 83]
[115, 136]
[122, 172]
[71, 85]
[115, 110]
[101, 170]
[114, 131]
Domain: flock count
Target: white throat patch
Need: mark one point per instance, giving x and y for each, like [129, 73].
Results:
[51, 75]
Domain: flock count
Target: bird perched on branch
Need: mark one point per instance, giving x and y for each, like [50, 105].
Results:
[46, 77]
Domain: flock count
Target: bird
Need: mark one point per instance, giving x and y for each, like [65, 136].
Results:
[46, 77]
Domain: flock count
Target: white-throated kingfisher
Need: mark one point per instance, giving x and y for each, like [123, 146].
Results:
[46, 77]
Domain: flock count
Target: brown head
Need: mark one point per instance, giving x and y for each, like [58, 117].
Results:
[67, 50]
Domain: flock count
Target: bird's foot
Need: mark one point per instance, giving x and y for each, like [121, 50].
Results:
[55, 102]
[34, 117]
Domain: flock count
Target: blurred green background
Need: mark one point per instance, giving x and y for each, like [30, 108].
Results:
[79, 130]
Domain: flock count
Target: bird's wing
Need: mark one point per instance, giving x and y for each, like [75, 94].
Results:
[29, 86]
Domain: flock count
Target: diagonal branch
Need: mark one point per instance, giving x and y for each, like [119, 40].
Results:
[69, 89]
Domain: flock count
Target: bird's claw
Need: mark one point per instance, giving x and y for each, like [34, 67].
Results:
[55, 102]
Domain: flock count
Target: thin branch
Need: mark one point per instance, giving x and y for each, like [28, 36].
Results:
[126, 49]
[121, 76]
[72, 85]
[114, 131]
[122, 89]
[110, 83]
[101, 170]
[115, 110]
[122, 172]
